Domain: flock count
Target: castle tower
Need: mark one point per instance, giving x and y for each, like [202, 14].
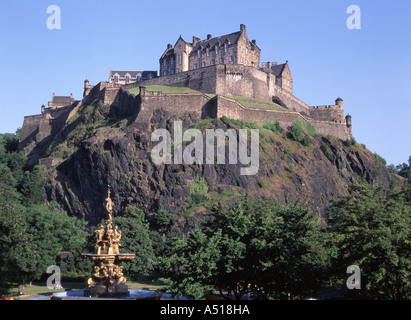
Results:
[87, 88]
[339, 102]
[348, 120]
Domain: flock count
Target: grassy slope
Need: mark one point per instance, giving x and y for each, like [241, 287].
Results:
[244, 101]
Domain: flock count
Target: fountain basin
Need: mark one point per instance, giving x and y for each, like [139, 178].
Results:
[134, 295]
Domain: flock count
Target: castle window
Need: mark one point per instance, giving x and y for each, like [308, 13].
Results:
[165, 63]
[172, 61]
[180, 59]
[226, 47]
[221, 61]
[212, 62]
[246, 62]
[231, 59]
[165, 73]
[208, 52]
[199, 53]
[204, 64]
[217, 49]
[195, 66]
[246, 51]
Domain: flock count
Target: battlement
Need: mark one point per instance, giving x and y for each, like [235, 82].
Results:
[334, 113]
[326, 107]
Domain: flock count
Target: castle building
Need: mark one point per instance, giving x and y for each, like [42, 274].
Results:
[282, 74]
[233, 48]
[127, 77]
[61, 101]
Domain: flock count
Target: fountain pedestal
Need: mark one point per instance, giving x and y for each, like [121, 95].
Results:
[107, 278]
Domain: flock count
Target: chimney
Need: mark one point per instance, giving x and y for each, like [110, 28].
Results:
[53, 97]
[209, 36]
[195, 40]
[254, 42]
[169, 46]
[71, 95]
[242, 27]
[274, 64]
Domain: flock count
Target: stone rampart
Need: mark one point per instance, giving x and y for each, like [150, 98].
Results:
[176, 104]
[234, 110]
[230, 79]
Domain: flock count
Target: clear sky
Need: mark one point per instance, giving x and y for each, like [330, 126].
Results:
[369, 68]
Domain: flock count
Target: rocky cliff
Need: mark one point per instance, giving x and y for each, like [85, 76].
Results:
[94, 150]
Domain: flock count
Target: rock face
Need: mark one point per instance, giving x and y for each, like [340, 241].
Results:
[92, 151]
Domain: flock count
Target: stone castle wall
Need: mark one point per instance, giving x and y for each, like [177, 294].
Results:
[234, 110]
[327, 113]
[222, 80]
[176, 104]
[230, 79]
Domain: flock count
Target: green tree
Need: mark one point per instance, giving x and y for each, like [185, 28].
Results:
[53, 232]
[8, 185]
[372, 231]
[17, 258]
[136, 239]
[33, 187]
[192, 265]
[255, 245]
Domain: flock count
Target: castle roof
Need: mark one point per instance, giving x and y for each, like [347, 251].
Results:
[63, 100]
[232, 38]
[278, 69]
[134, 74]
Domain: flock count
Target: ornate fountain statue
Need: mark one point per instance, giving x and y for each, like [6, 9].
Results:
[107, 278]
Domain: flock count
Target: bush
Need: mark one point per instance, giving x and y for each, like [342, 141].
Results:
[310, 129]
[306, 141]
[327, 150]
[380, 159]
[199, 191]
[273, 126]
[295, 132]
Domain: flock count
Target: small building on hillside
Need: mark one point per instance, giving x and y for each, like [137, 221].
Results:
[126, 77]
[61, 101]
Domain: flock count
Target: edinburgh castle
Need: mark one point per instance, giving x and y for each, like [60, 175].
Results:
[218, 76]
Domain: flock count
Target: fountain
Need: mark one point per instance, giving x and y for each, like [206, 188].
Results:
[107, 279]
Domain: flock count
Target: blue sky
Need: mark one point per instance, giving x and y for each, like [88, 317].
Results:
[369, 68]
